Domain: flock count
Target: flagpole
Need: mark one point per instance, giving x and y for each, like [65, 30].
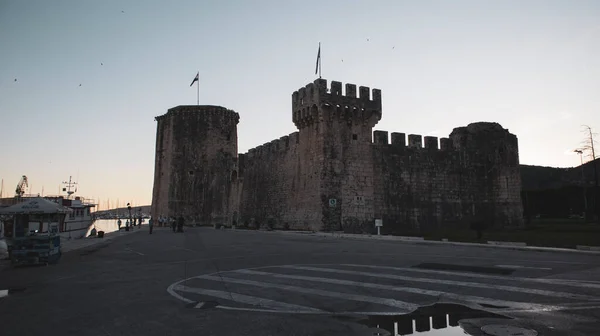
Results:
[320, 61]
[198, 89]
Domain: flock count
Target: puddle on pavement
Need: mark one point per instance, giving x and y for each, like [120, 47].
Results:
[440, 319]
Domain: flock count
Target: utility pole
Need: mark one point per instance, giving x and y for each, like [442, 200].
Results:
[583, 184]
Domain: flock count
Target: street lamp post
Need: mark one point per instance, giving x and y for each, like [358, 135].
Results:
[130, 218]
[580, 152]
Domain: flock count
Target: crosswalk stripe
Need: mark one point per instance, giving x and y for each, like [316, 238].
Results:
[572, 283]
[444, 295]
[407, 307]
[241, 298]
[448, 282]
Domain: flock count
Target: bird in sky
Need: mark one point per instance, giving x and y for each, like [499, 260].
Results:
[101, 63]
[367, 40]
[79, 84]
[15, 79]
[122, 11]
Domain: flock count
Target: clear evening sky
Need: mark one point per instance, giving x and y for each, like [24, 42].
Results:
[92, 75]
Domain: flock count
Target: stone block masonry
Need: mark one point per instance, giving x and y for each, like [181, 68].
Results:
[195, 163]
[334, 173]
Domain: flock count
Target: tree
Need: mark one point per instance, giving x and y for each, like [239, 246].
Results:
[588, 147]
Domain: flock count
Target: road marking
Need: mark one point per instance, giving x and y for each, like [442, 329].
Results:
[407, 307]
[450, 282]
[183, 248]
[520, 267]
[247, 299]
[472, 301]
[565, 282]
[445, 295]
[130, 250]
[328, 313]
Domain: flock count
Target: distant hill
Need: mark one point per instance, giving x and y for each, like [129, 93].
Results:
[558, 192]
[541, 178]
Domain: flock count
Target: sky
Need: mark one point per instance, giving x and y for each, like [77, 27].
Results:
[81, 81]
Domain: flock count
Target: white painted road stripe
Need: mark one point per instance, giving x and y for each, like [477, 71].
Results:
[521, 267]
[322, 312]
[130, 250]
[444, 295]
[572, 283]
[450, 282]
[406, 307]
[247, 299]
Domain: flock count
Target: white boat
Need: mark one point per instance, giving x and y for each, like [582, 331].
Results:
[77, 222]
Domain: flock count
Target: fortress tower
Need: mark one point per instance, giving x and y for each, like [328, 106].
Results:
[489, 172]
[339, 126]
[196, 147]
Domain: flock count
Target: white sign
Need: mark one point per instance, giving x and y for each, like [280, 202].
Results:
[332, 202]
[378, 222]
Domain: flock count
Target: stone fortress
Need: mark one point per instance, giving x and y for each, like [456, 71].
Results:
[334, 173]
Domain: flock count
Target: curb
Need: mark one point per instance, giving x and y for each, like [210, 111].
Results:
[581, 249]
[588, 248]
[491, 242]
[65, 248]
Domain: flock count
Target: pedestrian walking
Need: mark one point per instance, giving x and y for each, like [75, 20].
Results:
[173, 224]
[119, 223]
[180, 222]
[150, 224]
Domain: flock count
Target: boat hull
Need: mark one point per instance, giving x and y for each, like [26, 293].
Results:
[76, 228]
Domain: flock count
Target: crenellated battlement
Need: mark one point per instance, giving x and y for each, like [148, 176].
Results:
[312, 102]
[274, 147]
[208, 112]
[415, 141]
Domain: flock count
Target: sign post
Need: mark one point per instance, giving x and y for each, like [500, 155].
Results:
[379, 224]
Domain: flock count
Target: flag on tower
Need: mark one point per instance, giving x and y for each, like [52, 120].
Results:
[318, 59]
[196, 78]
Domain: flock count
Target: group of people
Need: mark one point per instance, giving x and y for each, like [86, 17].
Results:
[134, 222]
[175, 223]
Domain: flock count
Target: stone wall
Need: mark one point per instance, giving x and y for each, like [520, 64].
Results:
[162, 167]
[280, 184]
[416, 188]
[472, 176]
